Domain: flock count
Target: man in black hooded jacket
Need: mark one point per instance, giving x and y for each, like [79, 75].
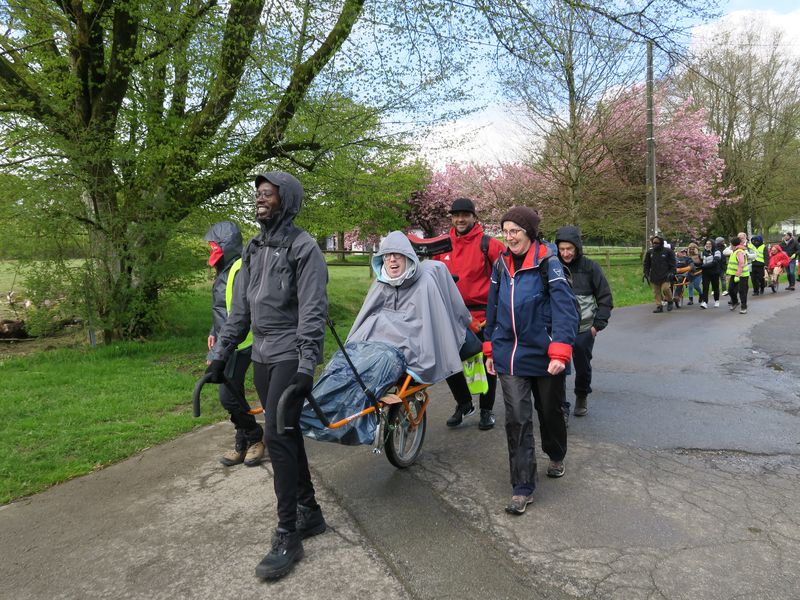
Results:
[225, 240]
[280, 295]
[659, 270]
[595, 302]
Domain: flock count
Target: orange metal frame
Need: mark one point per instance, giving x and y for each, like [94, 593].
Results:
[406, 390]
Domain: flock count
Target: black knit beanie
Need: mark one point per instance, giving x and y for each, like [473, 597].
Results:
[525, 217]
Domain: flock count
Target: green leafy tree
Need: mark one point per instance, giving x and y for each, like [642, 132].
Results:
[123, 119]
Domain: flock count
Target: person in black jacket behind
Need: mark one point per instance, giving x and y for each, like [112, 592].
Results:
[792, 248]
[659, 270]
[595, 302]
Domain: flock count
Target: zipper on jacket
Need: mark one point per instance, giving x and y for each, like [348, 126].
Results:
[513, 328]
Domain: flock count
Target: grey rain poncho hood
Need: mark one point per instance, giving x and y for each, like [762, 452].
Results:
[424, 316]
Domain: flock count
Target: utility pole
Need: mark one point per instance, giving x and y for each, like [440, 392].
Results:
[652, 197]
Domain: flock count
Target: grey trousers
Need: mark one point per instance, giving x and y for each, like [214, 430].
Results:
[521, 396]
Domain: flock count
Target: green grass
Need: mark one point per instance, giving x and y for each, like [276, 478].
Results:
[67, 412]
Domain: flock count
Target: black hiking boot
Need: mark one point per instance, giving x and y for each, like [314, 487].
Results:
[310, 521]
[287, 549]
[487, 419]
[580, 405]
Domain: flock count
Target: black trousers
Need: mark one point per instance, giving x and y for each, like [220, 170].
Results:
[738, 291]
[231, 396]
[287, 453]
[548, 394]
[757, 275]
[710, 279]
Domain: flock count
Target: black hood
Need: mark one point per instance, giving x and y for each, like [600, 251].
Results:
[571, 234]
[227, 236]
[276, 231]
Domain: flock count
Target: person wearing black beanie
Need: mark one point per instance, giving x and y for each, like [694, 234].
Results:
[531, 324]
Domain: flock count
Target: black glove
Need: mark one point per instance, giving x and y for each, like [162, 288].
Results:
[303, 384]
[217, 369]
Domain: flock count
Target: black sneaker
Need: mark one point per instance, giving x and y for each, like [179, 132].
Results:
[487, 419]
[676, 303]
[659, 309]
[287, 549]
[461, 413]
[669, 306]
[310, 521]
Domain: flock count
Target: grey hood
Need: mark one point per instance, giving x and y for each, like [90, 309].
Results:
[276, 232]
[227, 236]
[571, 234]
[396, 243]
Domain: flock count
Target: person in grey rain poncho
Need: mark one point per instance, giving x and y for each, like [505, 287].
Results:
[416, 307]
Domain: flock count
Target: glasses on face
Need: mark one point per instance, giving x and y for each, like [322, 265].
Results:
[392, 255]
[512, 232]
[264, 194]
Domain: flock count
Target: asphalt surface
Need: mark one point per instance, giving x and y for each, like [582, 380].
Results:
[682, 482]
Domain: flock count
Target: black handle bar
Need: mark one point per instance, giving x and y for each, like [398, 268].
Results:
[196, 396]
[280, 411]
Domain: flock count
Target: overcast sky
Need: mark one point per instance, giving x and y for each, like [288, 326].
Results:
[491, 135]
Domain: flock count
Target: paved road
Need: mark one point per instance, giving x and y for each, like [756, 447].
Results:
[683, 482]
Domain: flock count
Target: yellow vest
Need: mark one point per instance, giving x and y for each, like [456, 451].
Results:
[733, 263]
[248, 341]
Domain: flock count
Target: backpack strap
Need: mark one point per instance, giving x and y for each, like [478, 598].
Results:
[487, 268]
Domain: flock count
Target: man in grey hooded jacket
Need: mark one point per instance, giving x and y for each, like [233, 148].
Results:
[595, 302]
[280, 295]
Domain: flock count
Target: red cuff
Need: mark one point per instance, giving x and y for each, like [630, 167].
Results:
[487, 349]
[559, 351]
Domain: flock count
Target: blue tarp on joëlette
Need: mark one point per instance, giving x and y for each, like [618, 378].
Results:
[339, 394]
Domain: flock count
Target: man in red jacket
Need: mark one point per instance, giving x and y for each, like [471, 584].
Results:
[471, 261]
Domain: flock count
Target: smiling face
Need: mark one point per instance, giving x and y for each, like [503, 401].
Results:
[566, 251]
[268, 201]
[516, 238]
[462, 221]
[395, 264]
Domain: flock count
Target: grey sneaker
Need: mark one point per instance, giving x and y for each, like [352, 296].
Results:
[518, 504]
[556, 468]
[487, 419]
[461, 413]
[743, 311]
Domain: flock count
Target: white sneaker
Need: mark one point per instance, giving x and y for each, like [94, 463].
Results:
[725, 293]
[703, 305]
[716, 303]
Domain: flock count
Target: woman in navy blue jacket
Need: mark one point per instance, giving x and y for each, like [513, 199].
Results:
[531, 324]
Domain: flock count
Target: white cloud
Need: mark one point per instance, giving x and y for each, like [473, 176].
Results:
[489, 136]
[789, 23]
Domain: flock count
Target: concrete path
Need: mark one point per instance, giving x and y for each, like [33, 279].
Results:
[682, 482]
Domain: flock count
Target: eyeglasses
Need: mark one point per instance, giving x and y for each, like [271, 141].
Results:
[392, 256]
[512, 232]
[264, 194]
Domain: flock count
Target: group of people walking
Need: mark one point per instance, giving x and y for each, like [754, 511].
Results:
[719, 268]
[535, 305]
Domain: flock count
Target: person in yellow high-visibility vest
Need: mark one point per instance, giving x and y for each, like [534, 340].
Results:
[225, 240]
[738, 273]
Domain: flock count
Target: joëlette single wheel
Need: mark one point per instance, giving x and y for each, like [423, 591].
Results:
[403, 441]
